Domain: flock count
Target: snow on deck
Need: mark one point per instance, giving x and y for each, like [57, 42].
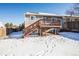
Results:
[53, 45]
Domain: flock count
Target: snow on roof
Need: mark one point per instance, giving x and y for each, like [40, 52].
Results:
[48, 14]
[2, 25]
[40, 13]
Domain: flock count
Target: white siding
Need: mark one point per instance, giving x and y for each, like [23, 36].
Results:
[29, 21]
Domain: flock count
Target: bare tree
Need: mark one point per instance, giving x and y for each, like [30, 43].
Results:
[71, 13]
[76, 8]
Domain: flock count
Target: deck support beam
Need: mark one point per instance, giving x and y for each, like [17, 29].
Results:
[56, 31]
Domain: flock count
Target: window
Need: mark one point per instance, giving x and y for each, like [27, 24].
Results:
[53, 19]
[45, 17]
[33, 17]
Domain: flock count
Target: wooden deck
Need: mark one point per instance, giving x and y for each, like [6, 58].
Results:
[50, 24]
[41, 26]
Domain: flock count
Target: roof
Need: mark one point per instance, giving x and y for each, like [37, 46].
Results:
[49, 14]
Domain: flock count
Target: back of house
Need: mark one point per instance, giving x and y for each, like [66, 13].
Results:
[41, 22]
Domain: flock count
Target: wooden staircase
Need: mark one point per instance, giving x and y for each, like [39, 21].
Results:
[41, 27]
[32, 27]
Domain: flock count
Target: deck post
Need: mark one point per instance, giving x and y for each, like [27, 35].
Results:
[39, 32]
[55, 31]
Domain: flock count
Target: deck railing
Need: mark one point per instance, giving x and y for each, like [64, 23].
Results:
[50, 23]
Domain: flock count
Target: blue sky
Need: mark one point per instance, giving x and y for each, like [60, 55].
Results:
[14, 12]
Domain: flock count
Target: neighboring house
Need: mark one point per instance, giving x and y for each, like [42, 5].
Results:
[42, 23]
[71, 23]
[2, 30]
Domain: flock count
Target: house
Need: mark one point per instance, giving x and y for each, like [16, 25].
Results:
[71, 23]
[43, 23]
[2, 30]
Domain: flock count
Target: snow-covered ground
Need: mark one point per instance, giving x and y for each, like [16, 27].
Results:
[53, 45]
[71, 35]
[18, 34]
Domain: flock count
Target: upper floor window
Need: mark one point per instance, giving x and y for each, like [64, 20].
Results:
[33, 17]
[45, 17]
[53, 19]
